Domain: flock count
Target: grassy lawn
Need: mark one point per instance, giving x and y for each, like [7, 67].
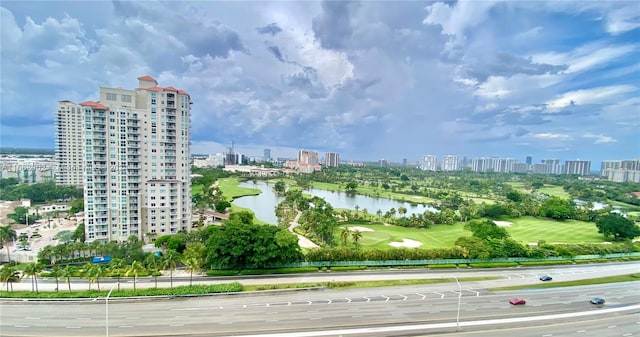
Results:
[530, 229]
[524, 229]
[555, 191]
[375, 192]
[231, 190]
[439, 236]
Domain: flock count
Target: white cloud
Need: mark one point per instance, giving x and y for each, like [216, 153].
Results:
[552, 136]
[600, 139]
[589, 96]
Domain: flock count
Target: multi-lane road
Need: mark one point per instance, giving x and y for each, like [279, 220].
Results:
[390, 311]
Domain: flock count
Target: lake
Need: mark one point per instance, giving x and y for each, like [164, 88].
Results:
[264, 204]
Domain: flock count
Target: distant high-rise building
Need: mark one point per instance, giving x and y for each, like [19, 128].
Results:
[383, 162]
[579, 167]
[529, 160]
[136, 161]
[267, 154]
[331, 159]
[632, 165]
[429, 163]
[520, 167]
[609, 165]
[69, 151]
[450, 163]
[308, 157]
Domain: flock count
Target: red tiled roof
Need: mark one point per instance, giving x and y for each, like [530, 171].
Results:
[182, 92]
[95, 105]
[147, 78]
[637, 194]
[170, 89]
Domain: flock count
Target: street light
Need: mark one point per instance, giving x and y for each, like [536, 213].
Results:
[106, 302]
[459, 299]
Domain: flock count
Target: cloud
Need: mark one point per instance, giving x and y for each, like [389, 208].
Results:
[332, 28]
[271, 28]
[552, 136]
[589, 96]
[600, 139]
[276, 52]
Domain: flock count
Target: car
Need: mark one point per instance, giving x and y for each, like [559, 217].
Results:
[517, 301]
[546, 278]
[597, 300]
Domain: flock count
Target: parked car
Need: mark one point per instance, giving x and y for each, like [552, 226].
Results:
[597, 300]
[517, 301]
[546, 278]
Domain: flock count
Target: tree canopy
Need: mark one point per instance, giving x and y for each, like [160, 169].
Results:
[617, 226]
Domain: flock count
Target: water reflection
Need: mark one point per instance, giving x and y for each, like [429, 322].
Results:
[263, 205]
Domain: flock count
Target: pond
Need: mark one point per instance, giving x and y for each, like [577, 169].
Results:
[264, 204]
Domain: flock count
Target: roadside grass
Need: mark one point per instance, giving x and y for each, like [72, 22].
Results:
[530, 229]
[336, 285]
[199, 289]
[553, 284]
[554, 191]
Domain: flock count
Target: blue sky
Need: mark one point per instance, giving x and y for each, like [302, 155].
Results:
[369, 80]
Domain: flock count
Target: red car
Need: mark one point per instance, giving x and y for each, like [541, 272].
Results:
[517, 301]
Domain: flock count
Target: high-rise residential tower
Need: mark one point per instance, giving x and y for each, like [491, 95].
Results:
[331, 159]
[579, 167]
[429, 163]
[69, 144]
[136, 158]
[450, 163]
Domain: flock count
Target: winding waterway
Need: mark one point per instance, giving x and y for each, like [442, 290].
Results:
[264, 204]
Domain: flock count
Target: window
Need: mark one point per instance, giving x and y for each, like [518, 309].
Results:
[111, 97]
[126, 98]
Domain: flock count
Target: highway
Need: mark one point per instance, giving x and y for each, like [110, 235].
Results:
[390, 311]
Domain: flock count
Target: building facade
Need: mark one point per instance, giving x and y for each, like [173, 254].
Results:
[137, 162]
[579, 167]
[69, 144]
[429, 163]
[331, 159]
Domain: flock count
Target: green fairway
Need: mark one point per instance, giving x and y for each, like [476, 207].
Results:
[231, 190]
[555, 191]
[439, 236]
[529, 229]
[524, 230]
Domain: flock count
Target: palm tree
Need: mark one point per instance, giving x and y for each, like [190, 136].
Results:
[33, 269]
[7, 234]
[115, 267]
[402, 211]
[153, 264]
[192, 264]
[56, 272]
[9, 275]
[356, 236]
[379, 214]
[170, 261]
[135, 268]
[94, 272]
[67, 273]
[344, 235]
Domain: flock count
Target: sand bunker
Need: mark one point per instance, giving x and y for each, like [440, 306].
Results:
[503, 223]
[406, 243]
[362, 229]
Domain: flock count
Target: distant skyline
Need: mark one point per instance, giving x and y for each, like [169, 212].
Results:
[369, 80]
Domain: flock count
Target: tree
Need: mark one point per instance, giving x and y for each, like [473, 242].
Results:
[20, 216]
[351, 186]
[344, 235]
[7, 234]
[170, 261]
[135, 268]
[617, 226]
[116, 266]
[67, 273]
[33, 269]
[194, 258]
[557, 208]
[78, 234]
[356, 236]
[280, 187]
[402, 211]
[56, 273]
[486, 230]
[9, 275]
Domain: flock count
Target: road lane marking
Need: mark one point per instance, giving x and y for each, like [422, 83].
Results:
[139, 317]
[125, 326]
[581, 331]
[73, 327]
[84, 318]
[176, 325]
[21, 326]
[611, 326]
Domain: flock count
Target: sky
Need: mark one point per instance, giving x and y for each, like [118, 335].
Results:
[368, 79]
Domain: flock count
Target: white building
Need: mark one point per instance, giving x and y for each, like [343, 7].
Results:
[136, 158]
[451, 163]
[429, 163]
[69, 148]
[331, 159]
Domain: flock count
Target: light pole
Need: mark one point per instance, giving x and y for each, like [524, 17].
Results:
[459, 299]
[106, 302]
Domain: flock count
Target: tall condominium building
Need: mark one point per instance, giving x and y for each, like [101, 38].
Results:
[579, 167]
[136, 157]
[266, 154]
[308, 157]
[331, 159]
[69, 146]
[632, 165]
[609, 165]
[429, 163]
[450, 163]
